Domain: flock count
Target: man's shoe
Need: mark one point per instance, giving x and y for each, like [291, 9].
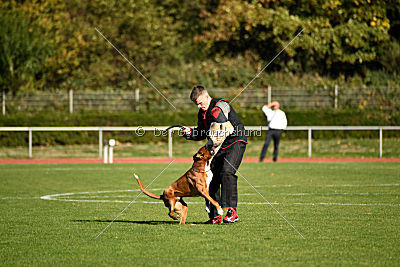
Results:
[231, 216]
[215, 220]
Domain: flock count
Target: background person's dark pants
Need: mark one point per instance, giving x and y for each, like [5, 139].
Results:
[223, 187]
[276, 136]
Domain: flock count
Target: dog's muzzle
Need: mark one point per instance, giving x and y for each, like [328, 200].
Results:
[210, 147]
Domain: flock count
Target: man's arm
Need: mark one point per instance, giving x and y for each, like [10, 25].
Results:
[197, 133]
[220, 113]
[267, 109]
[284, 120]
[220, 127]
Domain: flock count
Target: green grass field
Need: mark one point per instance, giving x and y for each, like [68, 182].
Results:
[349, 213]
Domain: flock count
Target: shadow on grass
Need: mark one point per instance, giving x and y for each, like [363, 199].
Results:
[135, 222]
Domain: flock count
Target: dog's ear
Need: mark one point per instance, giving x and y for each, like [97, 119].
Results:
[198, 156]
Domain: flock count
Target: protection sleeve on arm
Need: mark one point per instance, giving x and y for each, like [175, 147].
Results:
[219, 132]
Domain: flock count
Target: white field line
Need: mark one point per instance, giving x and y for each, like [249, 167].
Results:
[64, 197]
[325, 194]
[133, 200]
[11, 198]
[239, 203]
[92, 194]
[85, 198]
[328, 185]
[59, 197]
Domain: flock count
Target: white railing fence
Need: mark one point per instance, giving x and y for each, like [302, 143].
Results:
[139, 130]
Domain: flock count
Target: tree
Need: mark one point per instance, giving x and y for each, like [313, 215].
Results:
[338, 36]
[22, 50]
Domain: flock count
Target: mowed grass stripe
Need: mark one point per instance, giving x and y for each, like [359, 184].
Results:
[42, 232]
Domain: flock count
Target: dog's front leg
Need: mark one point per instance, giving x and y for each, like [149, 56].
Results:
[205, 194]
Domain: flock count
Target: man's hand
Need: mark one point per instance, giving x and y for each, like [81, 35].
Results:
[273, 105]
[186, 130]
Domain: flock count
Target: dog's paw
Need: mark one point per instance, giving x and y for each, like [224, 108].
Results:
[220, 212]
[137, 177]
[173, 216]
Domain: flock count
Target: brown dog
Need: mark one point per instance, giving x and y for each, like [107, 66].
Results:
[193, 183]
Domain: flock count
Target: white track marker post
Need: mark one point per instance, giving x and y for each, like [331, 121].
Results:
[133, 66]
[258, 74]
[105, 152]
[111, 143]
[269, 203]
[135, 197]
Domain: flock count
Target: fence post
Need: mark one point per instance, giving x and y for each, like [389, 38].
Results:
[380, 142]
[170, 143]
[100, 142]
[105, 160]
[336, 97]
[3, 100]
[309, 142]
[137, 99]
[269, 94]
[30, 143]
[71, 101]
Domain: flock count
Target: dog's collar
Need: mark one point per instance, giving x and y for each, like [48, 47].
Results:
[196, 170]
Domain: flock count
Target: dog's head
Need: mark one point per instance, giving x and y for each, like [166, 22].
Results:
[203, 153]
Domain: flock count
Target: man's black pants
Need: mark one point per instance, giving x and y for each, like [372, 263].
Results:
[274, 134]
[223, 187]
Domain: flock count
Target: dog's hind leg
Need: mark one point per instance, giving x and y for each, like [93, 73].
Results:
[181, 209]
[170, 201]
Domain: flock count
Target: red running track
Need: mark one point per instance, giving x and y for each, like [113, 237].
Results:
[185, 160]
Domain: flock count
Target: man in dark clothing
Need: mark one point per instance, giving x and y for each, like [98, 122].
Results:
[223, 187]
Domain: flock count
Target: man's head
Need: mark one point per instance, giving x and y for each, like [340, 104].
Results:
[200, 97]
[275, 105]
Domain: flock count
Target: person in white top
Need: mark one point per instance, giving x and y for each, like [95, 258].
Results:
[276, 123]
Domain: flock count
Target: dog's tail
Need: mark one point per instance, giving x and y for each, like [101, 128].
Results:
[144, 189]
